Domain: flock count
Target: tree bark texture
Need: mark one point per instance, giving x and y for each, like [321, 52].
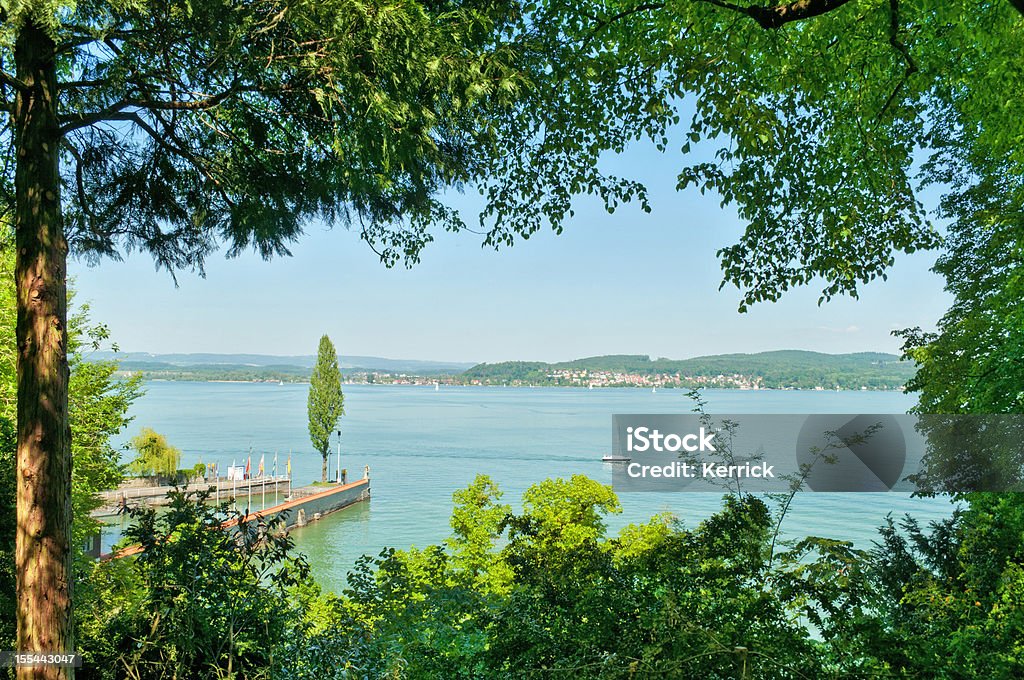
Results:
[42, 554]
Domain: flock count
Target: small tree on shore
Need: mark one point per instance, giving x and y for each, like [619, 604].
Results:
[157, 458]
[326, 402]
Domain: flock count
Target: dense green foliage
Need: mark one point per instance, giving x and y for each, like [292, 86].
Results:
[781, 369]
[950, 599]
[811, 120]
[546, 591]
[326, 402]
[155, 456]
[99, 401]
[197, 601]
[557, 596]
[972, 364]
[189, 123]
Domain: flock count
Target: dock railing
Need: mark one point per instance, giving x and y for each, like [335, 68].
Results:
[224, 489]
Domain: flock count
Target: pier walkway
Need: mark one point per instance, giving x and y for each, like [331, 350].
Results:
[310, 504]
[224, 489]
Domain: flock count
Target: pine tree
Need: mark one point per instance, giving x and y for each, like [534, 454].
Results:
[175, 127]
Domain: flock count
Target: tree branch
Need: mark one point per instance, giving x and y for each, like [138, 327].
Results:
[83, 199]
[899, 46]
[7, 79]
[73, 44]
[894, 37]
[767, 17]
[779, 15]
[635, 10]
[75, 84]
[113, 111]
[182, 151]
[81, 120]
[190, 105]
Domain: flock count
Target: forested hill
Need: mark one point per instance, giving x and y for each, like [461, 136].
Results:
[794, 369]
[780, 369]
[262, 367]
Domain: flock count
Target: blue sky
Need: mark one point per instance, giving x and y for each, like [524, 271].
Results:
[628, 283]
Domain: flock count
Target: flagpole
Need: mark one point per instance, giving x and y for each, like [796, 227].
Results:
[248, 474]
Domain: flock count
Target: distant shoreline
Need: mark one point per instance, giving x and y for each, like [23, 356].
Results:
[444, 385]
[781, 370]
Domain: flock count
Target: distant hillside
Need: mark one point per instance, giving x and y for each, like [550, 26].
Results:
[266, 366]
[786, 369]
[795, 369]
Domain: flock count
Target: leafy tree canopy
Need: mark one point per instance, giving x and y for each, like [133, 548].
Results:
[156, 456]
[817, 121]
[172, 126]
[972, 363]
[183, 123]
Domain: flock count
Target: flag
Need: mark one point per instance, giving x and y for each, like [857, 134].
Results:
[261, 465]
[248, 466]
[289, 466]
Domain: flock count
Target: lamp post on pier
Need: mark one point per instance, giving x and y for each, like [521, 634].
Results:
[338, 477]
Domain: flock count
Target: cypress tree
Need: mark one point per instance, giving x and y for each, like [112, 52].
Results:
[326, 403]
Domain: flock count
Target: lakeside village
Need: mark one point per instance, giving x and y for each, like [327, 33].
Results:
[778, 370]
[592, 379]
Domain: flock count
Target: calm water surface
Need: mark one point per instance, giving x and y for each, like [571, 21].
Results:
[422, 445]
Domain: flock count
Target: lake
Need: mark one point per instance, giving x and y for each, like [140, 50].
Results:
[422, 445]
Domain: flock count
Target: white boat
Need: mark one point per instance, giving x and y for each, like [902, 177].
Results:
[612, 458]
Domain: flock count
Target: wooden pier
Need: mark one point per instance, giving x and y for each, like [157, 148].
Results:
[115, 500]
[308, 504]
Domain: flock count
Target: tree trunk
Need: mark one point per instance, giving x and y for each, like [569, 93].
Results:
[42, 554]
[323, 470]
